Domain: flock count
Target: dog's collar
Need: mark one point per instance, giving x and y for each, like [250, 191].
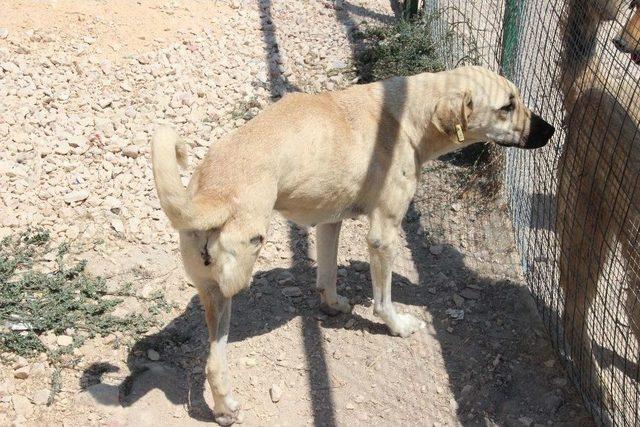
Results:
[460, 134]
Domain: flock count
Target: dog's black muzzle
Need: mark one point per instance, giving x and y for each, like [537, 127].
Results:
[540, 132]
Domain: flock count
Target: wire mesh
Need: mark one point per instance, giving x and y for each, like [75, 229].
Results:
[575, 204]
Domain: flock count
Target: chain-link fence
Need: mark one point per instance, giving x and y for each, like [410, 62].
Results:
[576, 203]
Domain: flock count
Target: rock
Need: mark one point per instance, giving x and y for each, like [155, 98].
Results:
[22, 406]
[292, 292]
[455, 314]
[62, 148]
[285, 278]
[20, 362]
[38, 369]
[22, 373]
[360, 266]
[350, 323]
[342, 272]
[276, 393]
[350, 406]
[248, 361]
[64, 340]
[550, 363]
[131, 151]
[470, 294]
[153, 355]
[117, 225]
[10, 67]
[456, 207]
[41, 397]
[436, 249]
[76, 196]
[4, 33]
[458, 300]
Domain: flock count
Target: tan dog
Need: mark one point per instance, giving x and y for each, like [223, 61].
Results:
[319, 159]
[628, 40]
[598, 197]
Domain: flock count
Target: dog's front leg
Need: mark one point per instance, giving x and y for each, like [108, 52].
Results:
[381, 239]
[327, 236]
[217, 309]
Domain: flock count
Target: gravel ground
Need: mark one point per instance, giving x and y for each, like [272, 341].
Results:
[81, 88]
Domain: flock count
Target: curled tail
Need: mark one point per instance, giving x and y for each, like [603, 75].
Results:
[167, 152]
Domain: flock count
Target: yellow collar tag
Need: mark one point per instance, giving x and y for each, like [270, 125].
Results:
[460, 133]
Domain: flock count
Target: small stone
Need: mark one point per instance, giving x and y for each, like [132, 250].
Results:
[153, 355]
[22, 373]
[41, 397]
[470, 294]
[458, 300]
[276, 393]
[286, 279]
[20, 362]
[342, 272]
[131, 151]
[249, 361]
[431, 290]
[359, 399]
[360, 266]
[64, 340]
[292, 292]
[549, 363]
[38, 369]
[76, 196]
[436, 249]
[456, 207]
[350, 406]
[62, 148]
[22, 406]
[117, 225]
[350, 323]
[4, 33]
[455, 314]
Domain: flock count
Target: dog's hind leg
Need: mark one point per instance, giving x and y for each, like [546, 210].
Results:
[381, 239]
[217, 310]
[327, 236]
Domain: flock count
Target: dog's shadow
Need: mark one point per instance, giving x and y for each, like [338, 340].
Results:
[183, 344]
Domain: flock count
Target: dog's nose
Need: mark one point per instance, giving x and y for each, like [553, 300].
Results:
[620, 44]
[540, 132]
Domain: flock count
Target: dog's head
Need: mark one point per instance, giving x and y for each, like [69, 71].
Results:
[483, 106]
[628, 39]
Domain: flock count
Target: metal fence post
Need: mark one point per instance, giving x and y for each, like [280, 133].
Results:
[510, 35]
[410, 8]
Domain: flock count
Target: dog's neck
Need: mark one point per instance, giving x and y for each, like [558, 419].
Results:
[411, 101]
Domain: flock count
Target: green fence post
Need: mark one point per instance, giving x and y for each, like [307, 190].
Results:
[510, 35]
[410, 8]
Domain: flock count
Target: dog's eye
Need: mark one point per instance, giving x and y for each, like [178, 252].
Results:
[509, 107]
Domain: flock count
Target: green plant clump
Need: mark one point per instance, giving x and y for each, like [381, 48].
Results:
[36, 300]
[404, 48]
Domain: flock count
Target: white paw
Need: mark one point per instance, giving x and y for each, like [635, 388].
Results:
[341, 306]
[226, 410]
[405, 324]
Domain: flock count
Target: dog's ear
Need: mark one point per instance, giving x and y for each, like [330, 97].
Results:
[452, 113]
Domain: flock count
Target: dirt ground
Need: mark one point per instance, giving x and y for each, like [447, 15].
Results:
[484, 358]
